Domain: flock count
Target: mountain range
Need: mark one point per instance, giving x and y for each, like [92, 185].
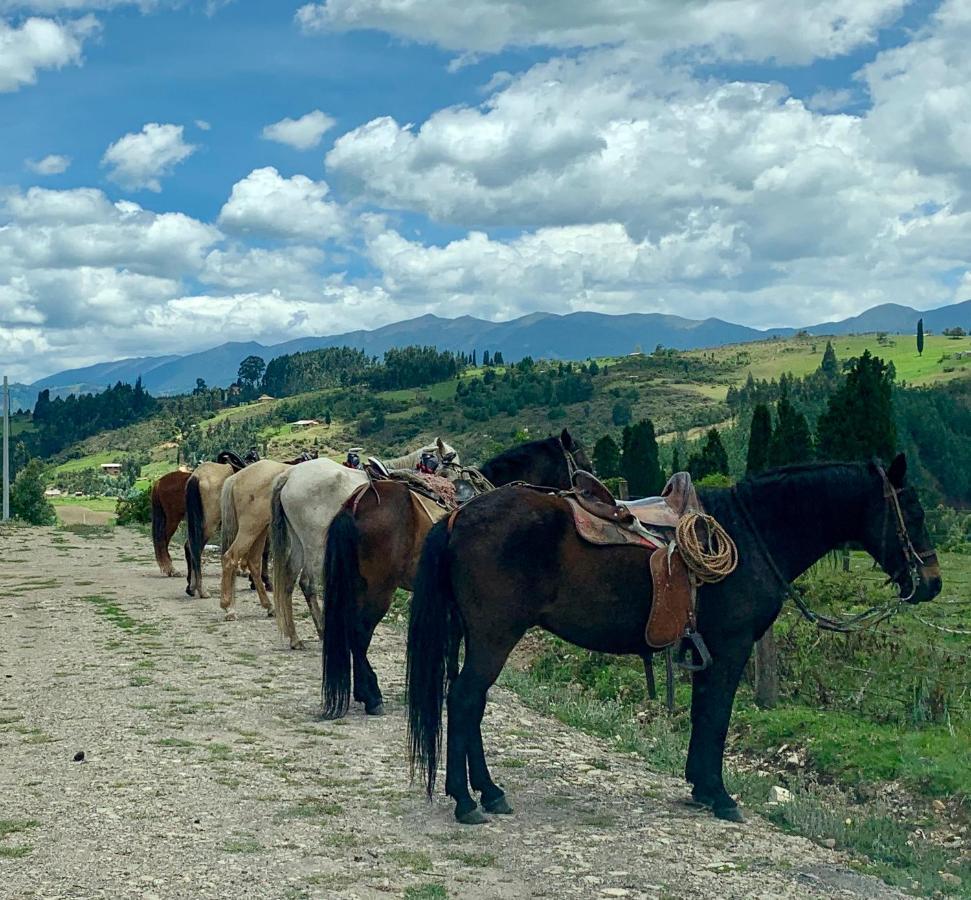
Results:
[541, 335]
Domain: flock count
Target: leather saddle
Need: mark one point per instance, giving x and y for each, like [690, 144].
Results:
[650, 523]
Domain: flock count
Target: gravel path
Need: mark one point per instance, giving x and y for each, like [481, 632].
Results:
[208, 772]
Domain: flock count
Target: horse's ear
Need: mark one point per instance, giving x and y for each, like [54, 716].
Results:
[566, 439]
[898, 471]
[441, 447]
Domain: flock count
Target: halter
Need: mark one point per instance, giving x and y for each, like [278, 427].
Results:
[914, 561]
[875, 614]
[571, 464]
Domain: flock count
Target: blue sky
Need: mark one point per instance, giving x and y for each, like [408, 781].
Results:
[763, 164]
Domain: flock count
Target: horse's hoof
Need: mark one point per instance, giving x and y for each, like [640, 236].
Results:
[231, 617]
[203, 595]
[498, 807]
[474, 816]
[297, 645]
[376, 710]
[270, 613]
[728, 813]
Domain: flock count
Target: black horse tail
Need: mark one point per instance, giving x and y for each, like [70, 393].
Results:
[433, 632]
[195, 520]
[158, 529]
[279, 546]
[341, 578]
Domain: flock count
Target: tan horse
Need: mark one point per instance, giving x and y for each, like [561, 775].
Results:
[203, 518]
[245, 515]
[168, 510]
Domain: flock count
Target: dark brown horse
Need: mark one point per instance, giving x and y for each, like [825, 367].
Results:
[374, 549]
[168, 510]
[513, 560]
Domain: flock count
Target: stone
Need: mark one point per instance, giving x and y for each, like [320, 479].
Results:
[779, 795]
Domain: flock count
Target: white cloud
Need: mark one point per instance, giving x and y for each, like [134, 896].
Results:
[203, 125]
[266, 203]
[54, 164]
[39, 44]
[737, 29]
[139, 160]
[302, 133]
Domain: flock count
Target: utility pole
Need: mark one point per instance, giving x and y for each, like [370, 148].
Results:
[6, 449]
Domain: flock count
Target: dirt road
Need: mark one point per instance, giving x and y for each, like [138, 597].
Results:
[208, 772]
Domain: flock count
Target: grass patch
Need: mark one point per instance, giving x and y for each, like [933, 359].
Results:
[474, 860]
[309, 810]
[15, 852]
[16, 826]
[243, 843]
[427, 891]
[108, 609]
[415, 860]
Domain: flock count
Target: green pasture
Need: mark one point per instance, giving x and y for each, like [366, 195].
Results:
[802, 355]
[91, 461]
[97, 504]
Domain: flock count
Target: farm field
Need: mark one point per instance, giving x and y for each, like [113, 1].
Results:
[208, 772]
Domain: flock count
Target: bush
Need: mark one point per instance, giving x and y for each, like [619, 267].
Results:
[27, 500]
[135, 508]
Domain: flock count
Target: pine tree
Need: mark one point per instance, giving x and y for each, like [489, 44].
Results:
[858, 423]
[830, 365]
[792, 441]
[606, 457]
[920, 337]
[485, 358]
[675, 461]
[712, 460]
[759, 440]
[475, 365]
[639, 462]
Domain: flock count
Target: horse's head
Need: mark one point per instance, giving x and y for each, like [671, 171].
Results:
[449, 465]
[574, 449]
[895, 534]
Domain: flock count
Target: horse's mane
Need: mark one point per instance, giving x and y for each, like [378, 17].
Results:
[840, 477]
[520, 453]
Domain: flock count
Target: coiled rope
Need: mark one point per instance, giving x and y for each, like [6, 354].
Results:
[707, 549]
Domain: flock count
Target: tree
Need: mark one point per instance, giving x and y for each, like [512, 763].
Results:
[830, 365]
[27, 500]
[486, 361]
[639, 461]
[920, 337]
[251, 371]
[621, 414]
[474, 364]
[759, 440]
[200, 387]
[606, 457]
[712, 460]
[858, 423]
[792, 441]
[675, 461]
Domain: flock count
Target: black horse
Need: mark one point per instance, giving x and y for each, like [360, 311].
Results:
[512, 560]
[373, 547]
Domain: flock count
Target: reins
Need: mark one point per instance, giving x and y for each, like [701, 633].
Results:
[869, 618]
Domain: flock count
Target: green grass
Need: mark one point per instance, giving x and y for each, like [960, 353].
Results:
[91, 461]
[98, 504]
[415, 860]
[429, 891]
[16, 826]
[113, 613]
[15, 852]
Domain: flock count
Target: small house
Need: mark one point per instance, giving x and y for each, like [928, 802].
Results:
[264, 398]
[112, 469]
[304, 423]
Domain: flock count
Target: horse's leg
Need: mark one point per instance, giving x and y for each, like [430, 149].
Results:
[312, 580]
[265, 566]
[255, 564]
[466, 705]
[228, 587]
[171, 526]
[711, 708]
[201, 592]
[190, 580]
[366, 687]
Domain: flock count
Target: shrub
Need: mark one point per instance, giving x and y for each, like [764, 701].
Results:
[27, 500]
[135, 508]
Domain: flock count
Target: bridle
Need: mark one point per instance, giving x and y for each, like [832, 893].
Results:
[913, 560]
[571, 464]
[875, 614]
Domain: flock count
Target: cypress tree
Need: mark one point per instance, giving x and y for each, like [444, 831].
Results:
[713, 458]
[606, 457]
[829, 366]
[858, 422]
[759, 440]
[920, 337]
[639, 462]
[792, 441]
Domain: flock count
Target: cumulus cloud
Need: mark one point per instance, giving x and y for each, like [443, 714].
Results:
[39, 44]
[756, 29]
[139, 159]
[302, 133]
[266, 203]
[54, 164]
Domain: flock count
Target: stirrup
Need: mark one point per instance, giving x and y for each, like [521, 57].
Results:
[692, 640]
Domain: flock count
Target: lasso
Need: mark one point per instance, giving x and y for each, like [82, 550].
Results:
[710, 557]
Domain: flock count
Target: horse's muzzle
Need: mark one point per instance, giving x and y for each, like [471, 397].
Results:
[929, 584]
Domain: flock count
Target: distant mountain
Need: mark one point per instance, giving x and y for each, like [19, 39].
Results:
[573, 336]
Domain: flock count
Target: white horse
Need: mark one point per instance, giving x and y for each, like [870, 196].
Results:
[305, 501]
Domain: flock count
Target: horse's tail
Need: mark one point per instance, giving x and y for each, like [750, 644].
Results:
[433, 633]
[280, 542]
[195, 523]
[230, 522]
[158, 532]
[341, 577]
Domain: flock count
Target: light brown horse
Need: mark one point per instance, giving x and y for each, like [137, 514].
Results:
[246, 512]
[168, 510]
[203, 518]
